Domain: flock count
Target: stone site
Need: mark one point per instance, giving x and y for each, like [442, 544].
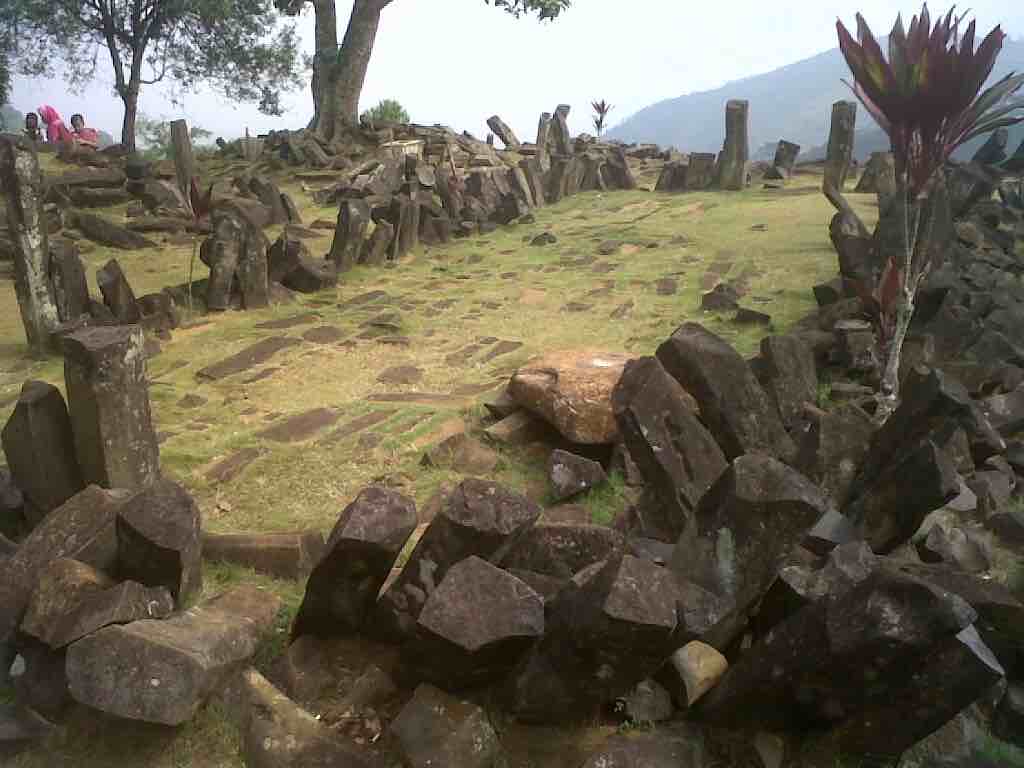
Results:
[391, 447]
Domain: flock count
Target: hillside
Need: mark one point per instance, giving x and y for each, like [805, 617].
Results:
[799, 95]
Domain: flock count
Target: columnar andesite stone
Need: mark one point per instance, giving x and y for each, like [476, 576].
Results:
[503, 132]
[40, 449]
[117, 293]
[22, 186]
[158, 540]
[162, 671]
[70, 287]
[732, 162]
[252, 271]
[543, 139]
[353, 219]
[360, 553]
[840, 143]
[282, 555]
[560, 136]
[108, 397]
[480, 518]
[223, 250]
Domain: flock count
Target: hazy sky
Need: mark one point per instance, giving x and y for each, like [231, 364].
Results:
[459, 61]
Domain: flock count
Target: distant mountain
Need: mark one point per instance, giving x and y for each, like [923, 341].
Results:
[793, 102]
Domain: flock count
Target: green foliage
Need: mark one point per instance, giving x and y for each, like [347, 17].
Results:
[154, 135]
[606, 501]
[601, 110]
[387, 111]
[546, 10]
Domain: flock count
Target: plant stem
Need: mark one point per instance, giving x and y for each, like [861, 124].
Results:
[191, 265]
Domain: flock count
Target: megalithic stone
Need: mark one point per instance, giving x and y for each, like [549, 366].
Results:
[410, 234]
[563, 110]
[503, 132]
[117, 293]
[353, 219]
[840, 143]
[22, 185]
[785, 157]
[560, 135]
[702, 170]
[732, 163]
[108, 398]
[252, 270]
[377, 247]
[224, 248]
[67, 275]
[543, 136]
[531, 167]
[616, 171]
[41, 451]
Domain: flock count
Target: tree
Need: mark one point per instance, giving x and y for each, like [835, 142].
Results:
[235, 46]
[926, 98]
[387, 111]
[340, 71]
[601, 110]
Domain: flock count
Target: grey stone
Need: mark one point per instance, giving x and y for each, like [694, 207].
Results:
[571, 475]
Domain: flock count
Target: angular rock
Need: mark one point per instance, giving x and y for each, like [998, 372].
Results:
[267, 193]
[463, 454]
[562, 549]
[756, 512]
[611, 627]
[503, 132]
[83, 528]
[698, 668]
[222, 252]
[117, 293]
[1008, 722]
[732, 162]
[251, 272]
[359, 555]
[435, 729]
[647, 704]
[572, 391]
[353, 219]
[40, 451]
[955, 547]
[67, 274]
[722, 298]
[474, 626]
[108, 399]
[377, 249]
[789, 376]
[106, 232]
[163, 671]
[158, 540]
[281, 555]
[840, 143]
[20, 727]
[480, 518]
[73, 600]
[311, 276]
[832, 450]
[534, 178]
[561, 139]
[732, 402]
[40, 682]
[571, 475]
[675, 454]
[785, 158]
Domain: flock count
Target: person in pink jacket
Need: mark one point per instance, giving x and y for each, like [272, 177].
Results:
[56, 131]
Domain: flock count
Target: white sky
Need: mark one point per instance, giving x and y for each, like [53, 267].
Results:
[459, 61]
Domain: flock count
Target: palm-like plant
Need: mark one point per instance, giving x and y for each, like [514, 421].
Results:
[927, 97]
[601, 110]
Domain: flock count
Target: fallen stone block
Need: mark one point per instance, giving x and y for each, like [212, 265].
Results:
[562, 549]
[117, 293]
[106, 232]
[281, 555]
[163, 671]
[359, 555]
[571, 475]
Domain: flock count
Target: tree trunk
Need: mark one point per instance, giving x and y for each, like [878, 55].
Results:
[345, 82]
[22, 184]
[131, 109]
[325, 60]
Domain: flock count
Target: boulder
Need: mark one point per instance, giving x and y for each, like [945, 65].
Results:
[108, 399]
[158, 540]
[20, 727]
[697, 667]
[73, 600]
[674, 453]
[474, 626]
[268, 193]
[571, 475]
[162, 671]
[562, 549]
[106, 232]
[281, 555]
[833, 448]
[436, 729]
[117, 293]
[647, 703]
[361, 550]
[572, 391]
[463, 454]
[40, 451]
[479, 518]
[83, 528]
[732, 403]
[789, 376]
[40, 682]
[755, 513]
[278, 733]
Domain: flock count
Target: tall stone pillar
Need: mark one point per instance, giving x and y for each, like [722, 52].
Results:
[732, 162]
[840, 143]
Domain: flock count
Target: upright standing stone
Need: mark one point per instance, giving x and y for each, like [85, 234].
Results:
[732, 162]
[41, 451]
[785, 157]
[222, 250]
[108, 397]
[534, 173]
[616, 171]
[22, 184]
[353, 218]
[701, 173]
[503, 132]
[840, 143]
[268, 193]
[70, 287]
[117, 293]
[181, 148]
[543, 137]
[562, 139]
[252, 270]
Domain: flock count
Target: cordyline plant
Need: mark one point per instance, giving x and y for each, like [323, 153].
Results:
[601, 110]
[927, 97]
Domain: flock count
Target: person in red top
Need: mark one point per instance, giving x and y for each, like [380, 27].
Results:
[85, 137]
[56, 131]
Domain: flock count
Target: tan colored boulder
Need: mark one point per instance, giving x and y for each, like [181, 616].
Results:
[700, 667]
[572, 390]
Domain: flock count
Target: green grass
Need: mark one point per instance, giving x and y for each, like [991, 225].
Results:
[607, 500]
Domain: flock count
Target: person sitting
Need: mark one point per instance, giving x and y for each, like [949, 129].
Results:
[85, 137]
[56, 131]
[32, 131]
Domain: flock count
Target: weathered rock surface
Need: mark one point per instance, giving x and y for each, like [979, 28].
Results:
[832, 450]
[789, 376]
[163, 671]
[117, 293]
[732, 402]
[732, 162]
[674, 746]
[562, 549]
[359, 555]
[698, 667]
[108, 398]
[158, 540]
[572, 391]
[474, 626]
[73, 600]
[40, 449]
[282, 555]
[480, 518]
[675, 454]
[571, 475]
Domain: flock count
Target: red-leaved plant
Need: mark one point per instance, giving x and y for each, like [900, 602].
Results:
[601, 110]
[927, 97]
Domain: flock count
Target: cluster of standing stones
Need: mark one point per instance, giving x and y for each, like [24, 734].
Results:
[803, 580]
